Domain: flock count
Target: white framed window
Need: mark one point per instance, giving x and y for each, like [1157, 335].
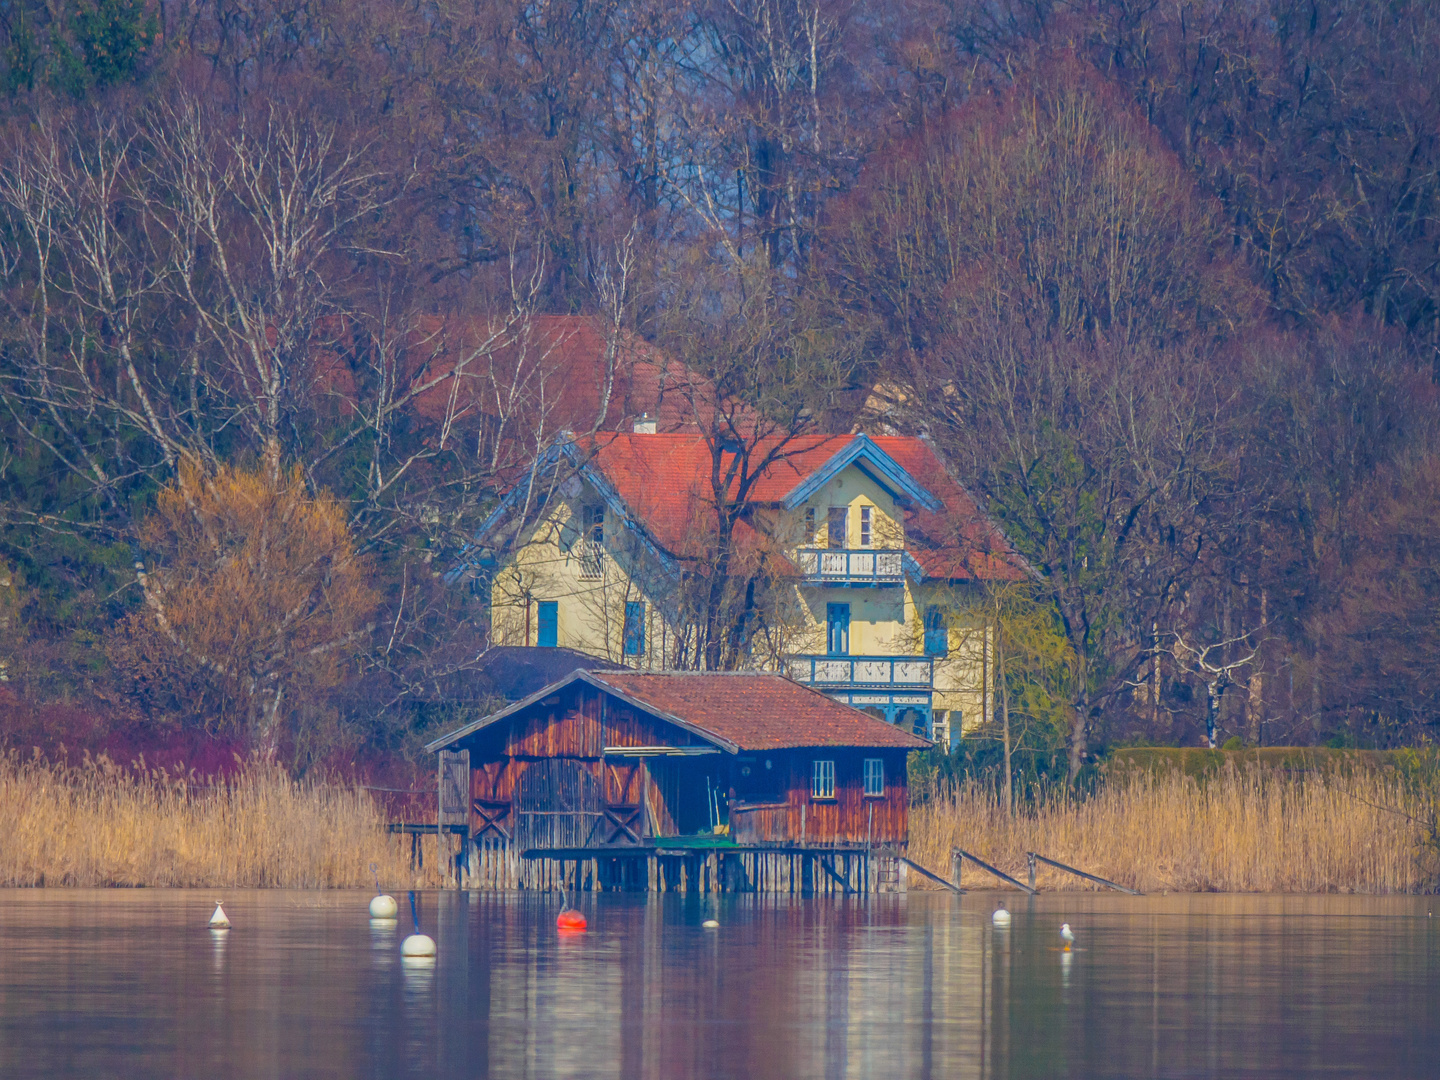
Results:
[874, 777]
[866, 525]
[822, 780]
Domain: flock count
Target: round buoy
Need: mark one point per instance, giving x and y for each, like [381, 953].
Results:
[1001, 916]
[384, 907]
[570, 919]
[418, 945]
[711, 924]
[219, 921]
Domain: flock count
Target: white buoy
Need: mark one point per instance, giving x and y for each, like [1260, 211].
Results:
[219, 921]
[384, 907]
[417, 945]
[711, 924]
[1067, 935]
[1001, 917]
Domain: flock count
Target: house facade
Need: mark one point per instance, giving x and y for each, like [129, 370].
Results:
[875, 562]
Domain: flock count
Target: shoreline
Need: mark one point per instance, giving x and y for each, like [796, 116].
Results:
[1240, 832]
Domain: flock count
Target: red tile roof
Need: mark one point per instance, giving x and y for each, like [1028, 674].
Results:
[958, 542]
[665, 481]
[757, 712]
[551, 371]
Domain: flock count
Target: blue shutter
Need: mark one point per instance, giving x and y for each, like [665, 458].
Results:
[937, 634]
[549, 636]
[635, 628]
[837, 629]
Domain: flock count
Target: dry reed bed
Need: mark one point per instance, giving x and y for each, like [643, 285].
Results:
[98, 825]
[1251, 831]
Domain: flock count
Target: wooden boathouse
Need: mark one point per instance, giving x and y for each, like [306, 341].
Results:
[678, 780]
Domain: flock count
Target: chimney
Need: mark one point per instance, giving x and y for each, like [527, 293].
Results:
[645, 425]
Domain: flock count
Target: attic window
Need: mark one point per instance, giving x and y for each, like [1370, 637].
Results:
[810, 525]
[866, 523]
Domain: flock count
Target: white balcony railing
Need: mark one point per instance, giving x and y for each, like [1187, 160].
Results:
[907, 672]
[852, 566]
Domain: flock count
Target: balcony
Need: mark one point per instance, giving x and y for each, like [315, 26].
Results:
[892, 683]
[864, 672]
[851, 566]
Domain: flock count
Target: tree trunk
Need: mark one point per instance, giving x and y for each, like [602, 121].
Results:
[1004, 715]
[1080, 720]
[1079, 726]
[1212, 711]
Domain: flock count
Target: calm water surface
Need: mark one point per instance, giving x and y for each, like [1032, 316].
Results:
[131, 984]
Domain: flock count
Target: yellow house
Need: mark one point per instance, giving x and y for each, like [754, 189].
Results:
[866, 544]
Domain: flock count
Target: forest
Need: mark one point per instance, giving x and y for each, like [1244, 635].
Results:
[1159, 279]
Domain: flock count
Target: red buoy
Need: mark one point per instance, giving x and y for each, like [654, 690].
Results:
[570, 919]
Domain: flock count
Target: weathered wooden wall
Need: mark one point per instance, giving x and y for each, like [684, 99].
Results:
[540, 780]
[851, 818]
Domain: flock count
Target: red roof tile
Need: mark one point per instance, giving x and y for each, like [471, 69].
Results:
[758, 712]
[665, 481]
[551, 371]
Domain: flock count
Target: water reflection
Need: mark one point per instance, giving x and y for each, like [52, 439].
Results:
[131, 984]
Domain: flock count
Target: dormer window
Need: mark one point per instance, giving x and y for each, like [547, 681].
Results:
[866, 525]
[595, 524]
[836, 526]
[809, 525]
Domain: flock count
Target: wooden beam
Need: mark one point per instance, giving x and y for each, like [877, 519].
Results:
[844, 885]
[952, 886]
[998, 873]
[1083, 874]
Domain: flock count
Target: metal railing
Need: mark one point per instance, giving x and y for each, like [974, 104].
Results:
[867, 566]
[866, 671]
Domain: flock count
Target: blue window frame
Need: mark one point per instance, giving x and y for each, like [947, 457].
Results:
[837, 629]
[937, 633]
[635, 628]
[549, 624]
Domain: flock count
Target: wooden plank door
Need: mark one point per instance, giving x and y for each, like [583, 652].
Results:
[454, 789]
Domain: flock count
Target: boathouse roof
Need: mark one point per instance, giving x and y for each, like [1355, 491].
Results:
[736, 711]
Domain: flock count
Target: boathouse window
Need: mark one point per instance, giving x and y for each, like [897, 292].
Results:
[635, 628]
[836, 526]
[866, 523]
[549, 625]
[810, 525]
[874, 777]
[822, 780]
[937, 634]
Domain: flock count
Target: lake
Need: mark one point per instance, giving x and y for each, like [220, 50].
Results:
[115, 983]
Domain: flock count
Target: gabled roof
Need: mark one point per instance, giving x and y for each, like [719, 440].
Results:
[757, 711]
[735, 711]
[661, 486]
[862, 452]
[554, 371]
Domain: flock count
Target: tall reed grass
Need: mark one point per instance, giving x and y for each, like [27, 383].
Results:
[1251, 830]
[97, 825]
